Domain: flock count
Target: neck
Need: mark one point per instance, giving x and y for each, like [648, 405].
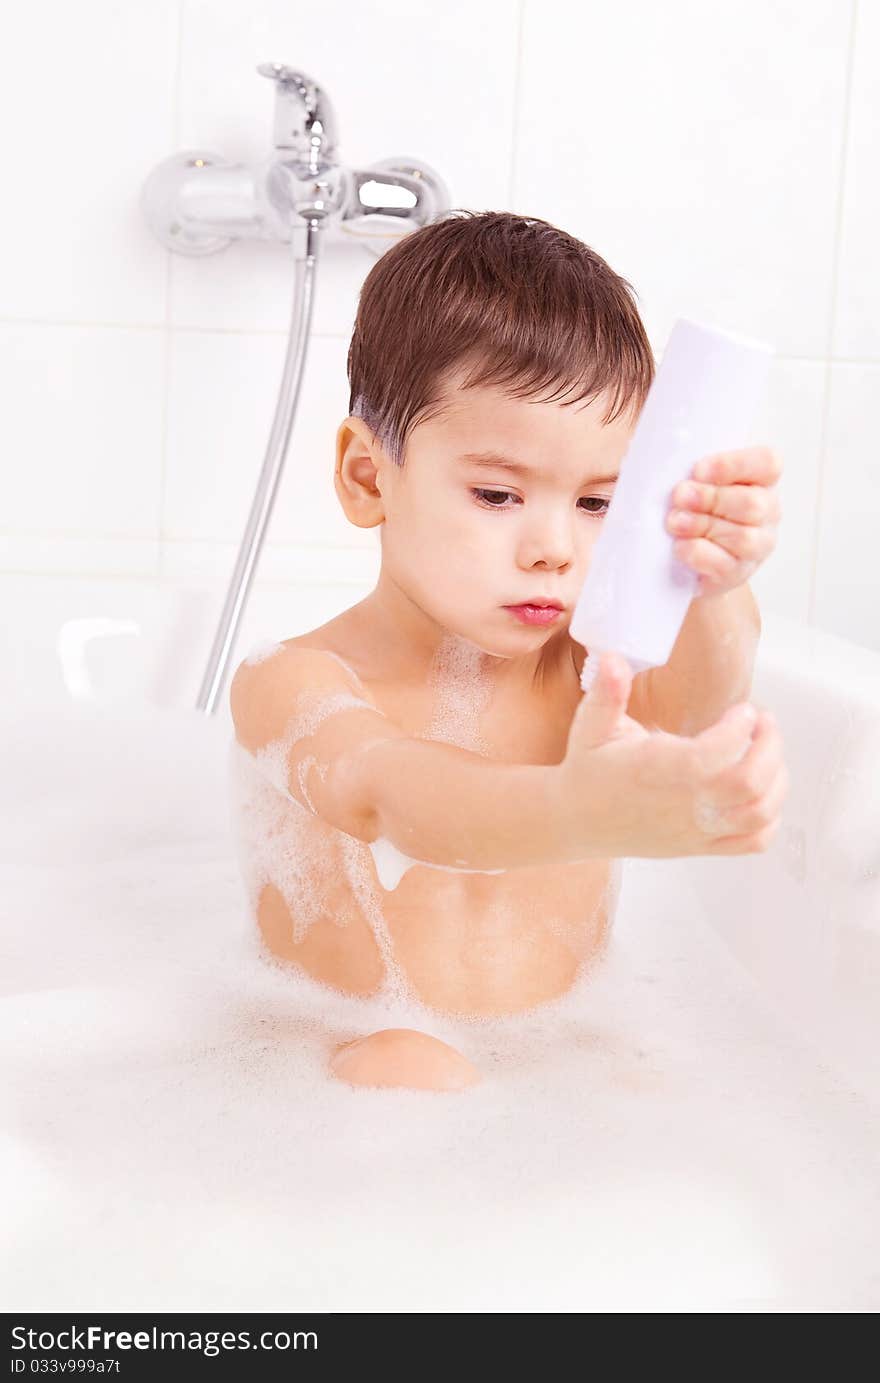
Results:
[399, 624]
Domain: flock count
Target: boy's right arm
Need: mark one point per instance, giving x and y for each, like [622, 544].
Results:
[366, 776]
[619, 791]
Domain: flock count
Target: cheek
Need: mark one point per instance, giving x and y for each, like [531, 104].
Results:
[478, 546]
[456, 537]
[453, 548]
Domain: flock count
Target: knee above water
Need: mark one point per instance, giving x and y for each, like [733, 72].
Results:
[403, 1058]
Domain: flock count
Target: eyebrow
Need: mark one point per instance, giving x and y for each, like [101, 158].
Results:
[494, 460]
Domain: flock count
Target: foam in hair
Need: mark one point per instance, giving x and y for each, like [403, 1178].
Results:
[362, 409]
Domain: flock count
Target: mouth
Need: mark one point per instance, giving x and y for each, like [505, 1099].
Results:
[536, 611]
[537, 605]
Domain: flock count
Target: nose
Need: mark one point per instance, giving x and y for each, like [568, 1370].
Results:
[548, 543]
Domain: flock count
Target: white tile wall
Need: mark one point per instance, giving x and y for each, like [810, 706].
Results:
[87, 98]
[847, 567]
[857, 296]
[83, 421]
[723, 159]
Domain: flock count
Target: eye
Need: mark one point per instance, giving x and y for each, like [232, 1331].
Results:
[498, 494]
[488, 497]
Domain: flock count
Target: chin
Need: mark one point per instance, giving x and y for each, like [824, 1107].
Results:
[498, 648]
[525, 644]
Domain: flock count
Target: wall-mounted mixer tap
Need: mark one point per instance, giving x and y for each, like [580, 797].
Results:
[196, 202]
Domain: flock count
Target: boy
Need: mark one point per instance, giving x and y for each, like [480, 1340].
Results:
[497, 370]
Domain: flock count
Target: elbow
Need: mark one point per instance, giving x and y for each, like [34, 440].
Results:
[347, 802]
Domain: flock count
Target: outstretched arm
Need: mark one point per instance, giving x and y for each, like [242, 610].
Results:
[345, 761]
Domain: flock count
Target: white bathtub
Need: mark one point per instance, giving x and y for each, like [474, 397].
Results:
[694, 1129]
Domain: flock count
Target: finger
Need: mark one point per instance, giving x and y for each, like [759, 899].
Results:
[725, 743]
[750, 504]
[760, 813]
[777, 794]
[727, 754]
[763, 762]
[711, 560]
[757, 465]
[757, 770]
[743, 543]
[760, 762]
[743, 845]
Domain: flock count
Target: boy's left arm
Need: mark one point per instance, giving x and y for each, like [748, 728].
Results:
[725, 518]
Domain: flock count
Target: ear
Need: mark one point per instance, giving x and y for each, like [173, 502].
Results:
[359, 478]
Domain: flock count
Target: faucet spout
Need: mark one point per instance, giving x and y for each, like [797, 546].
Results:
[305, 122]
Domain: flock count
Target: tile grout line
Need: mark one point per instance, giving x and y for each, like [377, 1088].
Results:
[160, 326]
[167, 328]
[282, 332]
[832, 317]
[517, 76]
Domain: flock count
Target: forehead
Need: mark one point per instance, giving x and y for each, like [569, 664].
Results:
[537, 433]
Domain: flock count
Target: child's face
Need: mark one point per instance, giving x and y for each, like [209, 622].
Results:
[464, 540]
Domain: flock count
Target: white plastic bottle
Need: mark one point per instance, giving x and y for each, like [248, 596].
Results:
[702, 400]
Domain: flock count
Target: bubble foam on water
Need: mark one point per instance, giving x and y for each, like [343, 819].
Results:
[625, 1147]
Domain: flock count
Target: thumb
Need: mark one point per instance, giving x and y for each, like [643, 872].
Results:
[729, 739]
[604, 705]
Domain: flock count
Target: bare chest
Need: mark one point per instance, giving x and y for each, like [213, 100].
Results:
[466, 941]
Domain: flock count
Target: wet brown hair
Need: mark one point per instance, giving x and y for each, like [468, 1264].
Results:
[513, 300]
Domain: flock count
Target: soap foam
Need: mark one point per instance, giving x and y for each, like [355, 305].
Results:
[391, 864]
[316, 868]
[281, 842]
[265, 649]
[462, 692]
[589, 673]
[709, 817]
[625, 1149]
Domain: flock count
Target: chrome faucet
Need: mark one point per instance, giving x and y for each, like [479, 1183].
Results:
[197, 203]
[304, 117]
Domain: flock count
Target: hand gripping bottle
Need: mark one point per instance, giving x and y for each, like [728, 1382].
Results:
[702, 400]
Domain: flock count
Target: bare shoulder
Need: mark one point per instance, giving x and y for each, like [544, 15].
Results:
[265, 690]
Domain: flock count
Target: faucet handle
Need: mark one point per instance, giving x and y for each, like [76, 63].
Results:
[280, 72]
[304, 118]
